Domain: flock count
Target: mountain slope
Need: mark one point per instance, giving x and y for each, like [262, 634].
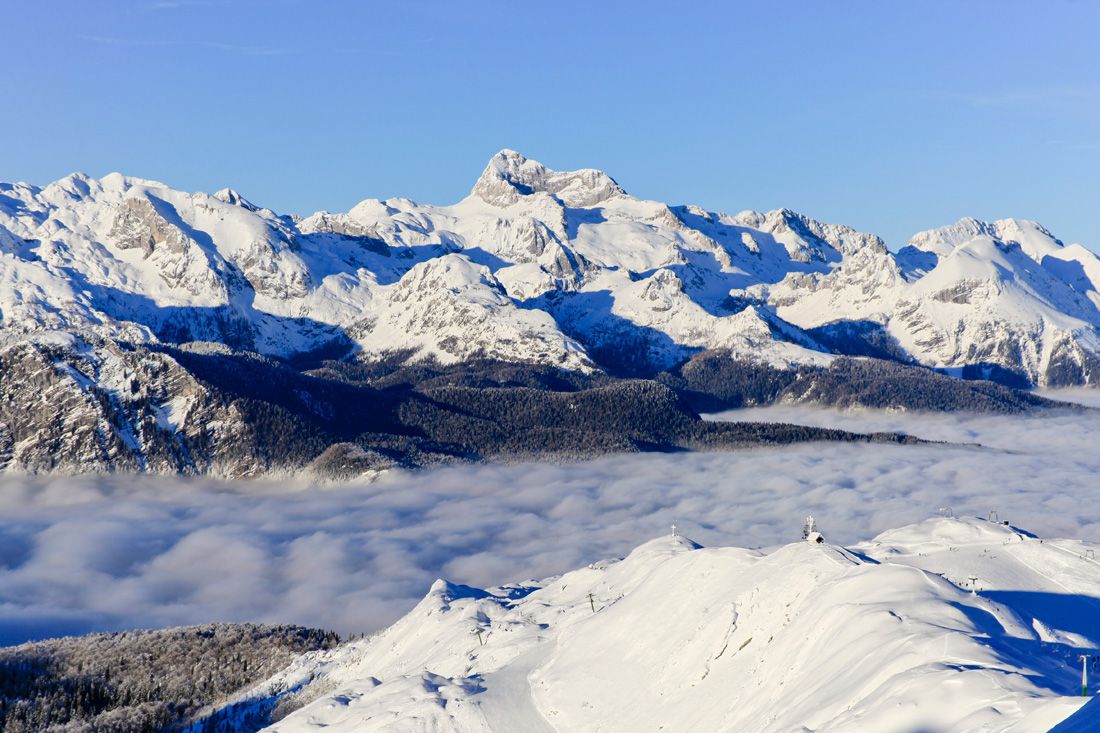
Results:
[103, 282]
[887, 636]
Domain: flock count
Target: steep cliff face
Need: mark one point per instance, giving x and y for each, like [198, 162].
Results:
[101, 407]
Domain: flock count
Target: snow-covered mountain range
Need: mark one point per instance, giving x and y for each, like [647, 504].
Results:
[563, 270]
[947, 625]
[541, 266]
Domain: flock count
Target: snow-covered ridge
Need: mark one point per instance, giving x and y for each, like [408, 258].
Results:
[947, 625]
[537, 265]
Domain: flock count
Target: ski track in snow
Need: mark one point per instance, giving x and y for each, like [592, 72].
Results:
[82, 554]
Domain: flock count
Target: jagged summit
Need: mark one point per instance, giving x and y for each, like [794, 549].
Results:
[509, 176]
[229, 196]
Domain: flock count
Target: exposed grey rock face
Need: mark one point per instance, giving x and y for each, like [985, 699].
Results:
[138, 226]
[102, 407]
[178, 259]
[364, 235]
[262, 264]
[54, 417]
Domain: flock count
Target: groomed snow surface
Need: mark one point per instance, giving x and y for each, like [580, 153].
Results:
[951, 624]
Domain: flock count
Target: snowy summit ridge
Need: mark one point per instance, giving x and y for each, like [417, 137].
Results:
[947, 625]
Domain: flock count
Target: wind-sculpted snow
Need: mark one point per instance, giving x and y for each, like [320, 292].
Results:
[101, 553]
[947, 625]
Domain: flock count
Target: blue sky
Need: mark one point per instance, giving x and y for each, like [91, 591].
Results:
[889, 116]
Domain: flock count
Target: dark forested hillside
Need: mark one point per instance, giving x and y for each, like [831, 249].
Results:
[713, 381]
[345, 417]
[206, 409]
[140, 681]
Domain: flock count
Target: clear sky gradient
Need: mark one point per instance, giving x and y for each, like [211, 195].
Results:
[889, 116]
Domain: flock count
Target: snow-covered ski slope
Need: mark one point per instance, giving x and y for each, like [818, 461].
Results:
[947, 625]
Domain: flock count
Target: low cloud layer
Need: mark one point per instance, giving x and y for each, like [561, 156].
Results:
[108, 553]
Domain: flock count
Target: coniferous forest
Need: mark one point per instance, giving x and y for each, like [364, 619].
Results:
[143, 681]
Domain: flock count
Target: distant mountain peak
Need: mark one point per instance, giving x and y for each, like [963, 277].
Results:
[76, 184]
[1032, 237]
[509, 176]
[231, 197]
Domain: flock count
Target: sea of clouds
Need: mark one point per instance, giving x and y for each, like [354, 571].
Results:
[102, 553]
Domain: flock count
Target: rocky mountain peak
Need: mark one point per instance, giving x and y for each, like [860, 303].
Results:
[509, 176]
[231, 197]
[1030, 236]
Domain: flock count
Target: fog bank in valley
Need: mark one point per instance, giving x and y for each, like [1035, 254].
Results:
[96, 553]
